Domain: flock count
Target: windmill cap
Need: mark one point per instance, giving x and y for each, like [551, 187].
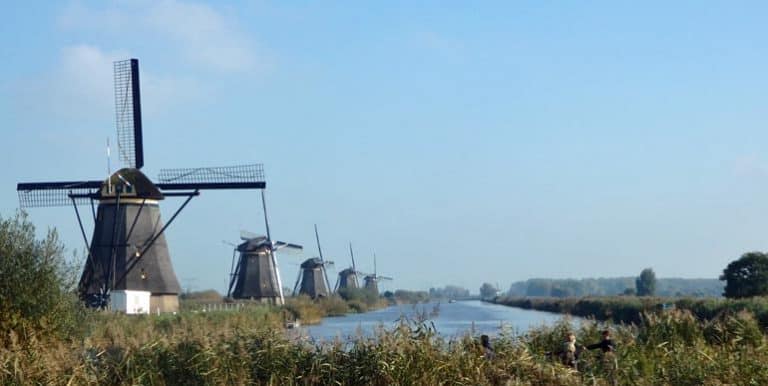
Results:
[313, 262]
[253, 245]
[131, 183]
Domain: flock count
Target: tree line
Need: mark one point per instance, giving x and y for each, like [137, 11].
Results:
[616, 286]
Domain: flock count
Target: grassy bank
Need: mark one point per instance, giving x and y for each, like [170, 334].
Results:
[245, 347]
[303, 308]
[629, 309]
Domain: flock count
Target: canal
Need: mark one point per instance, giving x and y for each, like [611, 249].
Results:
[450, 320]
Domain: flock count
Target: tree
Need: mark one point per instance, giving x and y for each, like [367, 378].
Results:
[646, 283]
[539, 287]
[36, 283]
[488, 291]
[747, 276]
[561, 292]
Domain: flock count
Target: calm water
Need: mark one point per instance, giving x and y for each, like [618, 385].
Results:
[450, 319]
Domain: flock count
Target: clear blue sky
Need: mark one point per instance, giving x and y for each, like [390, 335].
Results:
[462, 142]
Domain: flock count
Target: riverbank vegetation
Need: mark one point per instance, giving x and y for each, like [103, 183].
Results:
[630, 309]
[449, 292]
[407, 297]
[614, 286]
[248, 347]
[49, 338]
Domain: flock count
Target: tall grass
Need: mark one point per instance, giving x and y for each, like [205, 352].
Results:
[239, 348]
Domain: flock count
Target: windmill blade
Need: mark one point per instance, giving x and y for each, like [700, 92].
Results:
[351, 254]
[128, 113]
[320, 251]
[46, 194]
[228, 243]
[328, 262]
[224, 177]
[384, 278]
[233, 273]
[296, 285]
[287, 247]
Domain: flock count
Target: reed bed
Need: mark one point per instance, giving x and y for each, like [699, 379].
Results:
[629, 309]
[249, 348]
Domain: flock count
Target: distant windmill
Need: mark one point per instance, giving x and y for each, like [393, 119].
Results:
[372, 281]
[256, 275]
[348, 276]
[128, 250]
[313, 278]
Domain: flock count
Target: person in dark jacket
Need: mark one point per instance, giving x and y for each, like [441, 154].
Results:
[605, 345]
[608, 349]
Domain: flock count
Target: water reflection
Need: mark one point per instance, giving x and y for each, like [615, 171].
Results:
[449, 319]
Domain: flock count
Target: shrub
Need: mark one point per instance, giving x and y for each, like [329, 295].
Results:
[37, 286]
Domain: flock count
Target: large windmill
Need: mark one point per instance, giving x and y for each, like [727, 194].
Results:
[372, 280]
[313, 278]
[256, 275]
[128, 250]
[348, 276]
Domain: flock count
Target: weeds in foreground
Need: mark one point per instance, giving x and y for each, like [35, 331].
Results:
[238, 348]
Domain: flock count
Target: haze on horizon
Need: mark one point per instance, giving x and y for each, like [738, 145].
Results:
[462, 143]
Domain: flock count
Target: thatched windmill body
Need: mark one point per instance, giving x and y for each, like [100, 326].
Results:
[372, 280]
[128, 250]
[256, 275]
[348, 277]
[313, 278]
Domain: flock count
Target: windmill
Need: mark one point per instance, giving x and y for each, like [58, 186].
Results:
[313, 278]
[128, 250]
[348, 276]
[256, 275]
[372, 281]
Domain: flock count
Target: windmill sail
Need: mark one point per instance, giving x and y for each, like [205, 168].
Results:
[226, 177]
[62, 193]
[128, 113]
[320, 251]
